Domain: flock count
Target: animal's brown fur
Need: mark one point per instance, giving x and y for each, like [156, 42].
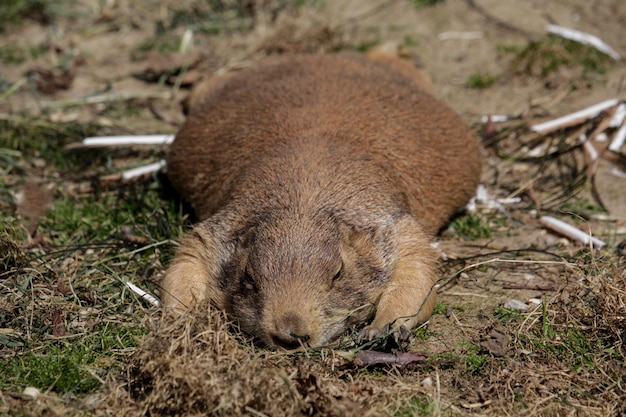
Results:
[319, 182]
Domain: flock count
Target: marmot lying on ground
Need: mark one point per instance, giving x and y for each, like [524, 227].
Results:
[319, 182]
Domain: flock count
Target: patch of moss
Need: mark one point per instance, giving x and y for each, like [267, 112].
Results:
[109, 216]
[43, 139]
[11, 253]
[13, 12]
[364, 46]
[470, 226]
[418, 405]
[546, 55]
[582, 207]
[410, 41]
[212, 18]
[507, 314]
[481, 81]
[425, 3]
[163, 44]
[440, 308]
[474, 360]
[14, 55]
[68, 367]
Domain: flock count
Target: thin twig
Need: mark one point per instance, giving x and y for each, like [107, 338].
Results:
[103, 98]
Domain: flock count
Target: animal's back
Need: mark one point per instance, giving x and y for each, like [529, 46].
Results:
[349, 132]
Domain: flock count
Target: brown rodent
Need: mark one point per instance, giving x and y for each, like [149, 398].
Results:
[319, 182]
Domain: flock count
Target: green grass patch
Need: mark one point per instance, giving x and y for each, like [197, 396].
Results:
[474, 360]
[211, 18]
[164, 44]
[13, 12]
[546, 55]
[67, 319]
[571, 347]
[440, 308]
[110, 216]
[481, 81]
[410, 41]
[507, 314]
[582, 207]
[72, 366]
[422, 333]
[309, 3]
[424, 3]
[15, 55]
[364, 46]
[471, 226]
[11, 252]
[419, 405]
[120, 109]
[38, 138]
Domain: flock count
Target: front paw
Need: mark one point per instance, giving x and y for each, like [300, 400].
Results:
[191, 279]
[371, 332]
[400, 335]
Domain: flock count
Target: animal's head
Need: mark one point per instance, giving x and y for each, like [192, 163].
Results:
[303, 279]
[287, 279]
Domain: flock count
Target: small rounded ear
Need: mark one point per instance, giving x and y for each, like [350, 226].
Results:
[372, 243]
[391, 55]
[204, 91]
[193, 276]
[357, 245]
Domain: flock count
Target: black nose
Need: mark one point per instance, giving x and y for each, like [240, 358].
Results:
[291, 331]
[290, 341]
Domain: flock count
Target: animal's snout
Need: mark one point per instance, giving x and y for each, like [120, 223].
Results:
[291, 331]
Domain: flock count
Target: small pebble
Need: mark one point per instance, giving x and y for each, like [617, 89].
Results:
[32, 392]
[38, 163]
[516, 305]
[427, 382]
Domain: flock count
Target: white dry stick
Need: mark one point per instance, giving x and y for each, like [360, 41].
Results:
[97, 141]
[143, 170]
[618, 116]
[574, 118]
[571, 231]
[141, 293]
[185, 41]
[584, 38]
[445, 36]
[618, 173]
[618, 139]
[101, 98]
[590, 151]
[483, 199]
[495, 118]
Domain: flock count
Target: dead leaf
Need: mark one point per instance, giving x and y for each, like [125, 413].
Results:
[130, 237]
[86, 295]
[170, 66]
[48, 81]
[58, 323]
[62, 287]
[373, 357]
[496, 343]
[32, 201]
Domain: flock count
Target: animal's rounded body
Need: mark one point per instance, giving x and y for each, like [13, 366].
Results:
[319, 181]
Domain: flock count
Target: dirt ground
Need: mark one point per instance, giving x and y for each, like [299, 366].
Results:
[118, 67]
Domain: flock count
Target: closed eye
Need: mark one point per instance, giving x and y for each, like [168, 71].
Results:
[248, 281]
[338, 274]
